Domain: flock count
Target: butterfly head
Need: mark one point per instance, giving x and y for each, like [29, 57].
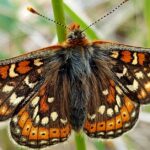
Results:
[75, 36]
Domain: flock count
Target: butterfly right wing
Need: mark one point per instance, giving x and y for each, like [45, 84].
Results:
[20, 78]
[44, 120]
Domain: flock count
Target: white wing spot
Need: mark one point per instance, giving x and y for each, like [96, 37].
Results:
[110, 133]
[35, 101]
[31, 85]
[100, 133]
[118, 100]
[110, 112]
[119, 91]
[148, 74]
[134, 86]
[54, 116]
[15, 119]
[54, 140]
[51, 99]
[115, 54]
[119, 75]
[135, 60]
[116, 108]
[7, 88]
[14, 100]
[63, 121]
[17, 130]
[37, 119]
[37, 62]
[91, 117]
[35, 112]
[45, 121]
[126, 125]
[105, 92]
[12, 72]
[101, 109]
[133, 114]
[119, 131]
[139, 75]
[43, 142]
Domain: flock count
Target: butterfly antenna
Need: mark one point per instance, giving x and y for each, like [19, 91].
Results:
[109, 13]
[32, 10]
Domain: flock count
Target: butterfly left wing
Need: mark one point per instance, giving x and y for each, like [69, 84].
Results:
[20, 77]
[131, 68]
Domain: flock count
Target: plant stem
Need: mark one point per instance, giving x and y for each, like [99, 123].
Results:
[80, 141]
[59, 17]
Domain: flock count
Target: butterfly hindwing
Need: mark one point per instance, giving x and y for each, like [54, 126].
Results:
[44, 120]
[110, 112]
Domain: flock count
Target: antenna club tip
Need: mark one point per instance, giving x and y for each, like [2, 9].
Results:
[29, 8]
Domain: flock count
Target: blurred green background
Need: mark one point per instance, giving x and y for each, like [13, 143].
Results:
[21, 31]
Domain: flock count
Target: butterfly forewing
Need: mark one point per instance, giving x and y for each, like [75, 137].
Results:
[20, 78]
[131, 67]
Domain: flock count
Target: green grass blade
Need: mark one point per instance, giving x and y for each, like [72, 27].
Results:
[90, 33]
[147, 19]
[80, 141]
[59, 17]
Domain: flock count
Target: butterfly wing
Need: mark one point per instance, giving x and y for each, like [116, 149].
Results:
[44, 119]
[131, 67]
[20, 77]
[110, 111]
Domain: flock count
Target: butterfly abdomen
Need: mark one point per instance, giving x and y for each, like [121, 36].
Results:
[78, 69]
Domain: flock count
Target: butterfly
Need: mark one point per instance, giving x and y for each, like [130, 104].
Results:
[96, 87]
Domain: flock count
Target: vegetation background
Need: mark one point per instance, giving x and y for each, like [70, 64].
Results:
[21, 32]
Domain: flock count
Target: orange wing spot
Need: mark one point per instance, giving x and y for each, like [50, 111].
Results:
[92, 128]
[3, 109]
[110, 125]
[126, 56]
[33, 133]
[8, 112]
[23, 67]
[21, 111]
[118, 122]
[65, 131]
[4, 71]
[147, 86]
[43, 105]
[54, 133]
[141, 58]
[87, 125]
[42, 90]
[23, 119]
[27, 127]
[111, 95]
[124, 114]
[43, 134]
[129, 104]
[142, 94]
[101, 126]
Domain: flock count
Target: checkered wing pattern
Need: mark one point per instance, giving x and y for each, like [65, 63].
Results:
[43, 120]
[20, 78]
[111, 110]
